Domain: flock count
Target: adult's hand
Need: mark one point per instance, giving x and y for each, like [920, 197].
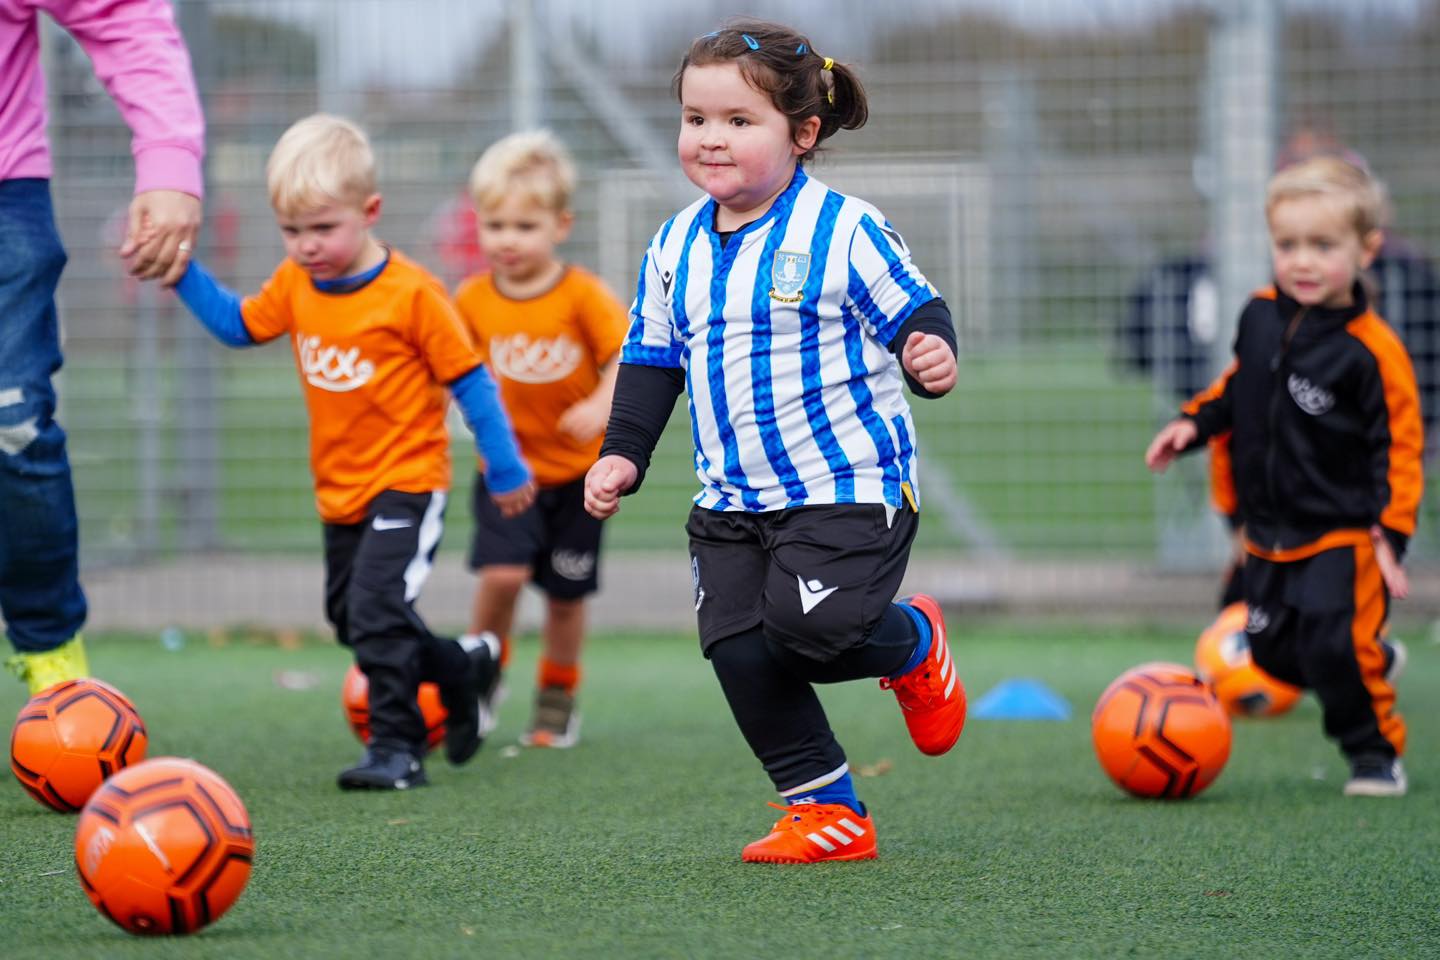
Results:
[163, 227]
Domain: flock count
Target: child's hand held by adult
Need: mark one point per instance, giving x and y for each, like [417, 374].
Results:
[162, 230]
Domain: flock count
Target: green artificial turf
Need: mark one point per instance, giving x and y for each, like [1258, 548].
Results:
[1015, 845]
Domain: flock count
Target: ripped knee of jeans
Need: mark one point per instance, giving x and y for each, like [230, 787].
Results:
[15, 437]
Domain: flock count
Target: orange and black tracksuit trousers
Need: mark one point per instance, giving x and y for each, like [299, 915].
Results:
[1317, 617]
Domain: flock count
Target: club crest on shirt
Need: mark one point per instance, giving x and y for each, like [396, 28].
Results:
[787, 276]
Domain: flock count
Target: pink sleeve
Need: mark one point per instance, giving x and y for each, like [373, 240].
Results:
[140, 57]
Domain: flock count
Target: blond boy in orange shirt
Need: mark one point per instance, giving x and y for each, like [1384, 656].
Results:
[551, 334]
[380, 351]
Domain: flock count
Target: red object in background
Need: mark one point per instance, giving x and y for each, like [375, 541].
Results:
[453, 232]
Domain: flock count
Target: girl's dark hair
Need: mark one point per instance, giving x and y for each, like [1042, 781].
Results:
[782, 64]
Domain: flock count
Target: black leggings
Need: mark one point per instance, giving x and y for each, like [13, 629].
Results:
[769, 689]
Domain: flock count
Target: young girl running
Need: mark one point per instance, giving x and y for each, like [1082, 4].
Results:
[782, 307]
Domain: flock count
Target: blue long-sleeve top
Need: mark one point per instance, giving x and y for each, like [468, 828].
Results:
[479, 401]
[216, 306]
[218, 309]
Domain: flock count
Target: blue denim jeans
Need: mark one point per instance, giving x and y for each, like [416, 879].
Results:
[40, 596]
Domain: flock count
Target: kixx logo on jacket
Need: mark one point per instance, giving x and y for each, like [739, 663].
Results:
[331, 368]
[1313, 399]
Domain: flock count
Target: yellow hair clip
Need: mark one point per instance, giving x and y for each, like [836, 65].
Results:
[829, 62]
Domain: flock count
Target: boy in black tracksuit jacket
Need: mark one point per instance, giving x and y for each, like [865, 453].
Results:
[1326, 439]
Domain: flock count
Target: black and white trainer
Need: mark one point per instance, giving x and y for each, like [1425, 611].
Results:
[1376, 775]
[468, 702]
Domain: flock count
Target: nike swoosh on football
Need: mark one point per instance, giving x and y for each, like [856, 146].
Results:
[810, 598]
[385, 523]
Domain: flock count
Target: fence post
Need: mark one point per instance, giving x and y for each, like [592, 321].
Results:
[1244, 85]
[1237, 140]
[197, 376]
[526, 91]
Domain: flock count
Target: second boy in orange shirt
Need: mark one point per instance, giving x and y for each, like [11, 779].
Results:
[550, 333]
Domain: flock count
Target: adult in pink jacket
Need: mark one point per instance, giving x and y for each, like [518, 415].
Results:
[140, 57]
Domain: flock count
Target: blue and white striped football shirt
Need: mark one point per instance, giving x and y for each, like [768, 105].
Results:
[782, 332]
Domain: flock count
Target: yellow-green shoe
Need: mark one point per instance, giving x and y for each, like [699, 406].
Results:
[49, 667]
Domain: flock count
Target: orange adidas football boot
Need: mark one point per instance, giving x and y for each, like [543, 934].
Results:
[815, 832]
[931, 696]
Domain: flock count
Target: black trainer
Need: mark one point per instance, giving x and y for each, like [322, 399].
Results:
[1376, 775]
[381, 769]
[469, 715]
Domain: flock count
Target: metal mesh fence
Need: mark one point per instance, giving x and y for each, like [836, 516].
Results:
[1080, 179]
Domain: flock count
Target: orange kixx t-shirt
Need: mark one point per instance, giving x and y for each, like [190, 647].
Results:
[546, 353]
[374, 364]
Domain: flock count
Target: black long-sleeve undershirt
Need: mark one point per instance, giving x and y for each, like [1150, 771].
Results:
[644, 399]
[645, 396]
[933, 316]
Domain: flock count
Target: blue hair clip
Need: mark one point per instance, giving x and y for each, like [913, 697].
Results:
[801, 49]
[750, 41]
